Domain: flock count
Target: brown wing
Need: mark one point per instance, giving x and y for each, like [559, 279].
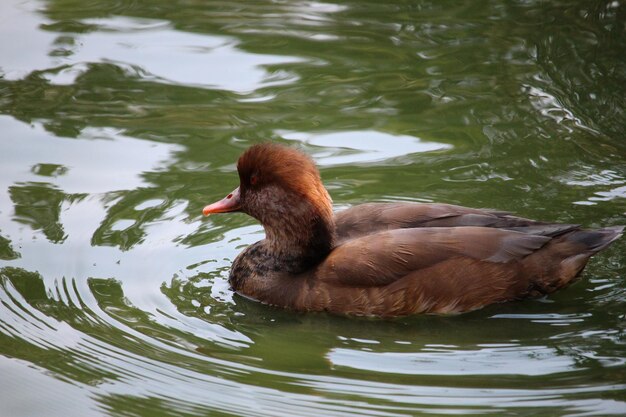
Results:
[446, 270]
[371, 218]
[384, 257]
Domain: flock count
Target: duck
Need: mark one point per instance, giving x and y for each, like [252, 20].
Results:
[389, 259]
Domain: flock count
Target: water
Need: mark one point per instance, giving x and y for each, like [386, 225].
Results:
[121, 120]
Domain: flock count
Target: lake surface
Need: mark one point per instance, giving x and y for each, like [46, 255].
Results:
[120, 120]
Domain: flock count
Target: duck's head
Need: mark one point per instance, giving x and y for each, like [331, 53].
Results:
[281, 187]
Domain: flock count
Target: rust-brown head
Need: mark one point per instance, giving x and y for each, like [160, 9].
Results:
[281, 187]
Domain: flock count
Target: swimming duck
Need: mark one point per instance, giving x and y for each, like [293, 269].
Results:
[389, 259]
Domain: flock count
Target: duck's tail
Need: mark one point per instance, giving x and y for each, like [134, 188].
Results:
[596, 240]
[583, 244]
[573, 248]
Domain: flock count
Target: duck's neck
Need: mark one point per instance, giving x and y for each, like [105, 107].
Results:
[299, 242]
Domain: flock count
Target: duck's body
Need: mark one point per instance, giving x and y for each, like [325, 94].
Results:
[390, 259]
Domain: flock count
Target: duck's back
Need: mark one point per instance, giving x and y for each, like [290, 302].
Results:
[365, 219]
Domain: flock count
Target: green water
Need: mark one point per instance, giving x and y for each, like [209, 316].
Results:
[120, 120]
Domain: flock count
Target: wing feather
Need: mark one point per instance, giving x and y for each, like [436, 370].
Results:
[384, 257]
[371, 218]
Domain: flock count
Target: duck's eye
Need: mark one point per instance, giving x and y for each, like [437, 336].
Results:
[254, 179]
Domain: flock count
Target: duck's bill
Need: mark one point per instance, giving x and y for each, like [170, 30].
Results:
[225, 205]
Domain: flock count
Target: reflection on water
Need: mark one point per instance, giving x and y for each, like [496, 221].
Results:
[496, 360]
[365, 146]
[607, 184]
[93, 164]
[124, 119]
[213, 62]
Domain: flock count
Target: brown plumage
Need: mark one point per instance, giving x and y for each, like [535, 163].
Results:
[389, 259]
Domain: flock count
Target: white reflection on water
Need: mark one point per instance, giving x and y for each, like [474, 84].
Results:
[93, 163]
[176, 56]
[360, 147]
[31, 52]
[99, 164]
[302, 14]
[52, 393]
[451, 398]
[151, 47]
[612, 182]
[513, 360]
[551, 107]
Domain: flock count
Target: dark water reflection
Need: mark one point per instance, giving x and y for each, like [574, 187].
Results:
[121, 120]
